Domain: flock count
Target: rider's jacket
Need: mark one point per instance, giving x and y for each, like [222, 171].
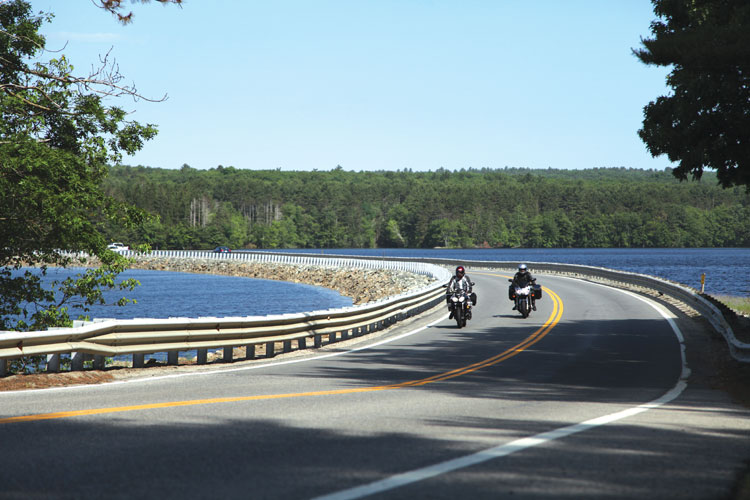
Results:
[463, 283]
[522, 279]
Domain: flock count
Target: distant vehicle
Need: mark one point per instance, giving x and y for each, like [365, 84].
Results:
[222, 250]
[118, 247]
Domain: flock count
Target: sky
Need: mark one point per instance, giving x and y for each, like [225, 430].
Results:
[377, 84]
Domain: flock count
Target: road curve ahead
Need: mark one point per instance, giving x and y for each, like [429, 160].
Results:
[589, 397]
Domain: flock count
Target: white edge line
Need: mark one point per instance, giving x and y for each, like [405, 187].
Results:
[503, 450]
[220, 371]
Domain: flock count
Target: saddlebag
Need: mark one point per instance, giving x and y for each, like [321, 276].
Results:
[537, 291]
[511, 293]
[473, 298]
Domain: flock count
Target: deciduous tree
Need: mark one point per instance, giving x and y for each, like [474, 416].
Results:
[57, 138]
[705, 122]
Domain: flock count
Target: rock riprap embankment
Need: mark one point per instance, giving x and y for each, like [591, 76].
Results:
[362, 285]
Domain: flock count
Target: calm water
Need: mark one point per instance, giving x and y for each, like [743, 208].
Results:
[169, 294]
[727, 269]
[164, 294]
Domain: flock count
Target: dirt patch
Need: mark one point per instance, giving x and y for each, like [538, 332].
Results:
[710, 362]
[47, 380]
[730, 375]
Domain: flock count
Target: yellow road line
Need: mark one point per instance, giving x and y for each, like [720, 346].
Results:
[535, 337]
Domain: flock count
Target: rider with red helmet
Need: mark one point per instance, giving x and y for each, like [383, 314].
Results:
[460, 281]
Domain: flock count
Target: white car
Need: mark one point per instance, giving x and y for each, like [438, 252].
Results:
[118, 247]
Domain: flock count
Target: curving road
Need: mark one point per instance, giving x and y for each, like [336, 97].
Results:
[587, 398]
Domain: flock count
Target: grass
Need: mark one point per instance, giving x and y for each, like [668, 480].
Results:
[739, 304]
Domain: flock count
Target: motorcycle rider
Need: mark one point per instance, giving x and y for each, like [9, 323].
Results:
[459, 282]
[521, 279]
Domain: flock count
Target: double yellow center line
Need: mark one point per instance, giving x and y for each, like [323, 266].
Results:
[535, 337]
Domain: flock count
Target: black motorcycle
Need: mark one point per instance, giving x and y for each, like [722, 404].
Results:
[459, 304]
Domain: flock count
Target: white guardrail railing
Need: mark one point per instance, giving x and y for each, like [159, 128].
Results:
[622, 279]
[98, 340]
[140, 337]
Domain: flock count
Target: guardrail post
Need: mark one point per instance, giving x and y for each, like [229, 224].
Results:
[53, 363]
[173, 358]
[98, 362]
[317, 340]
[76, 361]
[250, 351]
[202, 356]
[228, 354]
[302, 343]
[138, 360]
[3, 367]
[287, 346]
[269, 349]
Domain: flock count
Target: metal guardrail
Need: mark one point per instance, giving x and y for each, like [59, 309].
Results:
[139, 337]
[738, 349]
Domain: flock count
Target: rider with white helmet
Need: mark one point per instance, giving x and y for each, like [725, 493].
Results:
[521, 279]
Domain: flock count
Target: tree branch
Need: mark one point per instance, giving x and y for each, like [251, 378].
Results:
[115, 7]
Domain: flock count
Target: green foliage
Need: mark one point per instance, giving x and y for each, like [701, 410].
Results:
[614, 207]
[705, 123]
[56, 139]
[739, 304]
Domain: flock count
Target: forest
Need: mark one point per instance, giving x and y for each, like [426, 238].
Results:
[468, 208]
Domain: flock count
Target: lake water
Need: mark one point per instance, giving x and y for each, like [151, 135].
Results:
[164, 294]
[727, 269]
[169, 294]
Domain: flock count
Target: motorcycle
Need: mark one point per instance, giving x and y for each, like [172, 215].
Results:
[459, 303]
[524, 297]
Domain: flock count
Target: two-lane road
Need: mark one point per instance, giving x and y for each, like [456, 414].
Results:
[588, 397]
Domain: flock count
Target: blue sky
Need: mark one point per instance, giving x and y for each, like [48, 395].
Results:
[378, 84]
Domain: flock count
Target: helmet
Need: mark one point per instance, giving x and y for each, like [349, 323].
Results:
[460, 270]
[522, 268]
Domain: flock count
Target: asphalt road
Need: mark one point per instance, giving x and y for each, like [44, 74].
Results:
[589, 397]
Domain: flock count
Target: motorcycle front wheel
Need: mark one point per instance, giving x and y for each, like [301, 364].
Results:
[523, 308]
[460, 318]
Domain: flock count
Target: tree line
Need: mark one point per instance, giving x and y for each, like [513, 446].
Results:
[601, 207]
